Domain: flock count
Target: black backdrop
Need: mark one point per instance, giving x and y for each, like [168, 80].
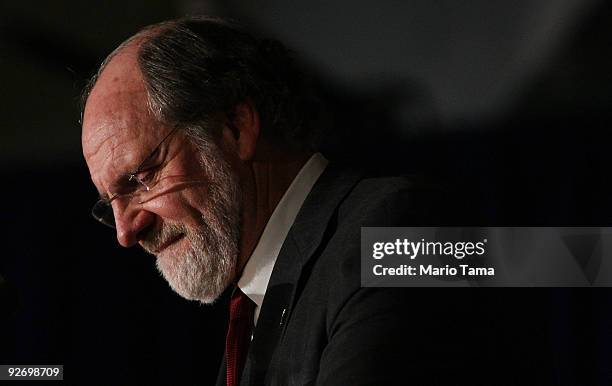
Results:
[74, 297]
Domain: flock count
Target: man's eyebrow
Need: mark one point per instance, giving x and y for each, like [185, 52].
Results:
[116, 184]
[148, 161]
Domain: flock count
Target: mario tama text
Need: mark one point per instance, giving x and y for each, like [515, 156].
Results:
[424, 258]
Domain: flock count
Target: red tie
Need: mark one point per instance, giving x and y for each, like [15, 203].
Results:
[238, 335]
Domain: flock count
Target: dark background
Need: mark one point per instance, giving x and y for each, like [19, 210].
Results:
[505, 104]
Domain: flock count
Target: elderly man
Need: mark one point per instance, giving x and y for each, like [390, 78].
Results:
[200, 141]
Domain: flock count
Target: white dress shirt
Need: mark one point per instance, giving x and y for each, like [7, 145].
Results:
[256, 273]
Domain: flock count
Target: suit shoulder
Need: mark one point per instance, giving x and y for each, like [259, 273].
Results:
[372, 202]
[389, 201]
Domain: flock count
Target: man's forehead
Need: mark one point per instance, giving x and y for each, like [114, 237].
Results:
[122, 70]
[118, 129]
[119, 115]
[118, 96]
[117, 125]
[110, 156]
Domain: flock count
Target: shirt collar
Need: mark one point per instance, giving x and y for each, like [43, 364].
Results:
[256, 273]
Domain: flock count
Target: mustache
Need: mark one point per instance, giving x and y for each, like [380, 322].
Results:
[156, 238]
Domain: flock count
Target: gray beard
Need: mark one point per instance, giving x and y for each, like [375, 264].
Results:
[204, 268]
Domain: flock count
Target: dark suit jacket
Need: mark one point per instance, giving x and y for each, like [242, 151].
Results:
[318, 326]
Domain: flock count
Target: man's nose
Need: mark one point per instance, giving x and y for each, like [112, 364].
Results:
[130, 222]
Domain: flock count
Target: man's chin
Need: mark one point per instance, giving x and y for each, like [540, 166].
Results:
[207, 300]
[191, 281]
[205, 297]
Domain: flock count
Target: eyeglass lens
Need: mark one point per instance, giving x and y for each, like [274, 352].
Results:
[103, 212]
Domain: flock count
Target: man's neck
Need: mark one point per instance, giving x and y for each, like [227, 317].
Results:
[268, 182]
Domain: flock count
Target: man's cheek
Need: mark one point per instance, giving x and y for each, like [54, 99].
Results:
[188, 213]
[167, 207]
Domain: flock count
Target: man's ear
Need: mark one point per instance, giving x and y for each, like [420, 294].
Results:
[245, 125]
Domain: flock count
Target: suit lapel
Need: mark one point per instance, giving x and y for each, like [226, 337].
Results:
[302, 241]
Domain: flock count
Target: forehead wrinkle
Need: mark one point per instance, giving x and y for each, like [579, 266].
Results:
[111, 132]
[93, 144]
[122, 156]
[117, 122]
[126, 127]
[111, 156]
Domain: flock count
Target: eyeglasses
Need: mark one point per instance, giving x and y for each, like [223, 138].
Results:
[134, 185]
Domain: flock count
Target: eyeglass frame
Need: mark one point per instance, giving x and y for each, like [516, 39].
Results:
[106, 202]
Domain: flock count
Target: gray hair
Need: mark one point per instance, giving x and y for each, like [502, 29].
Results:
[198, 69]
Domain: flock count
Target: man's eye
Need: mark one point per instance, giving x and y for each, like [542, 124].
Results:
[135, 182]
[144, 176]
[139, 181]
